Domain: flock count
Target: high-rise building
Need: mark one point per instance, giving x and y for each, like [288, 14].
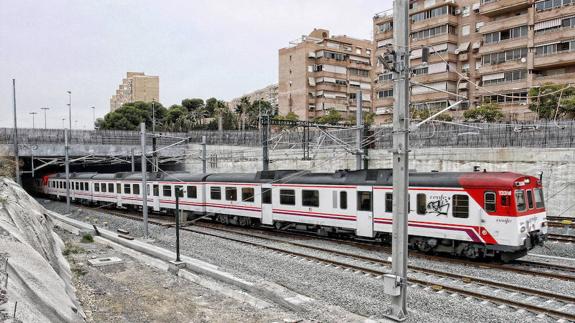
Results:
[482, 51]
[319, 72]
[268, 93]
[136, 87]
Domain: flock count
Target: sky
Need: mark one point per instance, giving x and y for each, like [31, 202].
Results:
[198, 48]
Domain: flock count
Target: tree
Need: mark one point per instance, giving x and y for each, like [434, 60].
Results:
[332, 117]
[550, 100]
[130, 115]
[423, 114]
[487, 112]
[242, 109]
[368, 119]
[211, 106]
[291, 116]
[193, 104]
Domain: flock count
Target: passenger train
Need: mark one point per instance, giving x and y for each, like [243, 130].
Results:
[469, 214]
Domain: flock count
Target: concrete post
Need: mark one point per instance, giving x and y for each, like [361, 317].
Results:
[133, 162]
[359, 130]
[178, 192]
[67, 166]
[16, 157]
[144, 189]
[204, 153]
[400, 158]
[265, 153]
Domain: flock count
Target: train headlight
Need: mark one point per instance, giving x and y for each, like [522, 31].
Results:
[523, 229]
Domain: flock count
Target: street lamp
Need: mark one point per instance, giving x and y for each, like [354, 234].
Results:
[45, 109]
[70, 108]
[33, 115]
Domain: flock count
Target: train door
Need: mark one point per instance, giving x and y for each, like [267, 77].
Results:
[267, 210]
[155, 194]
[364, 218]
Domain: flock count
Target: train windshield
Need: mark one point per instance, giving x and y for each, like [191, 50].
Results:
[520, 200]
[539, 201]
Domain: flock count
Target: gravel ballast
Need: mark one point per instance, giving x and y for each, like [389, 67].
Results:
[353, 292]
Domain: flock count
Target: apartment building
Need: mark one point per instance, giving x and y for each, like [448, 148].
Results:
[503, 46]
[319, 73]
[136, 86]
[268, 93]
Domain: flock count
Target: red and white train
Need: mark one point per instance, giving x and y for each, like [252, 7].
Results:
[471, 214]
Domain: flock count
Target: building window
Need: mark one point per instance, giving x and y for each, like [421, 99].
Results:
[385, 27]
[192, 192]
[216, 193]
[501, 57]
[248, 194]
[385, 93]
[490, 202]
[460, 206]
[310, 198]
[465, 30]
[502, 35]
[364, 201]
[552, 4]
[287, 197]
[358, 72]
[167, 190]
[231, 194]
[433, 32]
[421, 203]
[507, 77]
[343, 200]
[567, 46]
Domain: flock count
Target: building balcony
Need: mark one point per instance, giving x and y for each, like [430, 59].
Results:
[383, 102]
[559, 59]
[509, 86]
[503, 24]
[436, 77]
[445, 38]
[554, 36]
[450, 57]
[382, 85]
[431, 96]
[331, 87]
[500, 7]
[435, 21]
[564, 11]
[503, 45]
[379, 35]
[506, 66]
[558, 79]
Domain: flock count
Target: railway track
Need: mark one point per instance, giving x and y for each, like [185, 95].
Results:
[561, 237]
[519, 266]
[557, 306]
[539, 301]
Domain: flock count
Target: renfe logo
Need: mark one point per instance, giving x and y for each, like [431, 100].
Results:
[504, 220]
[505, 193]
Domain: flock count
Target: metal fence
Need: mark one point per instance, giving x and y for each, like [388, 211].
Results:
[481, 135]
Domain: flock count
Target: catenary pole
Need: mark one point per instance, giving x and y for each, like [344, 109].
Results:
[265, 151]
[67, 167]
[204, 159]
[133, 162]
[400, 158]
[178, 192]
[70, 110]
[45, 123]
[359, 131]
[16, 157]
[144, 184]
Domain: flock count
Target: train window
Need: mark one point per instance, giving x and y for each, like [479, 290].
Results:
[166, 190]
[310, 198]
[156, 190]
[248, 194]
[103, 187]
[96, 187]
[216, 193]
[388, 202]
[287, 197]
[520, 200]
[490, 202]
[192, 192]
[505, 200]
[81, 186]
[364, 201]
[421, 203]
[343, 200]
[231, 194]
[530, 199]
[460, 206]
[179, 190]
[111, 188]
[87, 186]
[267, 196]
[148, 192]
[539, 201]
[77, 185]
[136, 189]
[119, 188]
[127, 189]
